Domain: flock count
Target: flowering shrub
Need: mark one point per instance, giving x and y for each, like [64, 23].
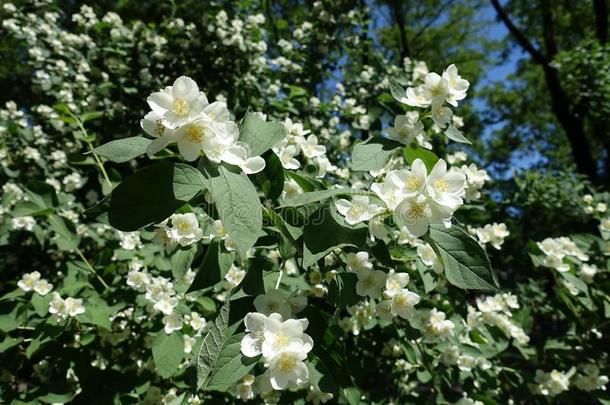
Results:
[273, 247]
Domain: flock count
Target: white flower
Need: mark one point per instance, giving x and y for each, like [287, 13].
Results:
[457, 86]
[370, 283]
[288, 367]
[604, 225]
[186, 229]
[285, 336]
[43, 287]
[417, 213]
[165, 303]
[402, 303]
[172, 322]
[273, 301]
[252, 343]
[395, 282]
[138, 280]
[287, 157]
[492, 233]
[291, 189]
[243, 390]
[178, 103]
[200, 135]
[441, 115]
[358, 261]
[188, 343]
[429, 257]
[437, 325]
[357, 210]
[28, 281]
[411, 182]
[234, 276]
[590, 380]
[406, 129]
[445, 187]
[197, 322]
[588, 271]
[311, 149]
[62, 309]
[26, 222]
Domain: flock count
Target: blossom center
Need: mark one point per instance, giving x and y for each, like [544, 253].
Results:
[413, 183]
[280, 340]
[441, 185]
[417, 210]
[286, 363]
[355, 211]
[180, 107]
[194, 133]
[159, 128]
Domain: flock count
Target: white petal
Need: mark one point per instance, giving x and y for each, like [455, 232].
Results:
[185, 88]
[253, 165]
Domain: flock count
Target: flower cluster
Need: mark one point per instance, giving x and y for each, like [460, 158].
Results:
[32, 281]
[557, 249]
[497, 311]
[182, 114]
[63, 309]
[494, 234]
[283, 345]
[184, 231]
[419, 199]
[449, 87]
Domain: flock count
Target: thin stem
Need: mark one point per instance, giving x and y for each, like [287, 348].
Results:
[98, 162]
[90, 267]
[279, 279]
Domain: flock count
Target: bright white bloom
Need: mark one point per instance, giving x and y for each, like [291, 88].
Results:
[197, 322]
[252, 343]
[287, 157]
[588, 271]
[288, 367]
[441, 115]
[446, 187]
[370, 283]
[357, 210]
[138, 280]
[358, 261]
[429, 257]
[417, 213]
[406, 129]
[172, 322]
[26, 222]
[287, 335]
[457, 86]
[186, 229]
[273, 301]
[437, 326]
[178, 103]
[234, 276]
[395, 283]
[62, 309]
[552, 383]
[28, 281]
[311, 149]
[43, 287]
[291, 189]
[402, 303]
[189, 342]
[493, 233]
[165, 303]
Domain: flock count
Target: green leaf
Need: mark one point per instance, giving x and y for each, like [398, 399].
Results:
[8, 323]
[455, 135]
[90, 115]
[151, 195]
[260, 135]
[373, 154]
[97, 312]
[181, 261]
[411, 153]
[315, 196]
[239, 208]
[168, 352]
[398, 92]
[66, 237]
[214, 266]
[273, 174]
[123, 150]
[342, 290]
[261, 276]
[41, 303]
[466, 263]
[323, 233]
[219, 363]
